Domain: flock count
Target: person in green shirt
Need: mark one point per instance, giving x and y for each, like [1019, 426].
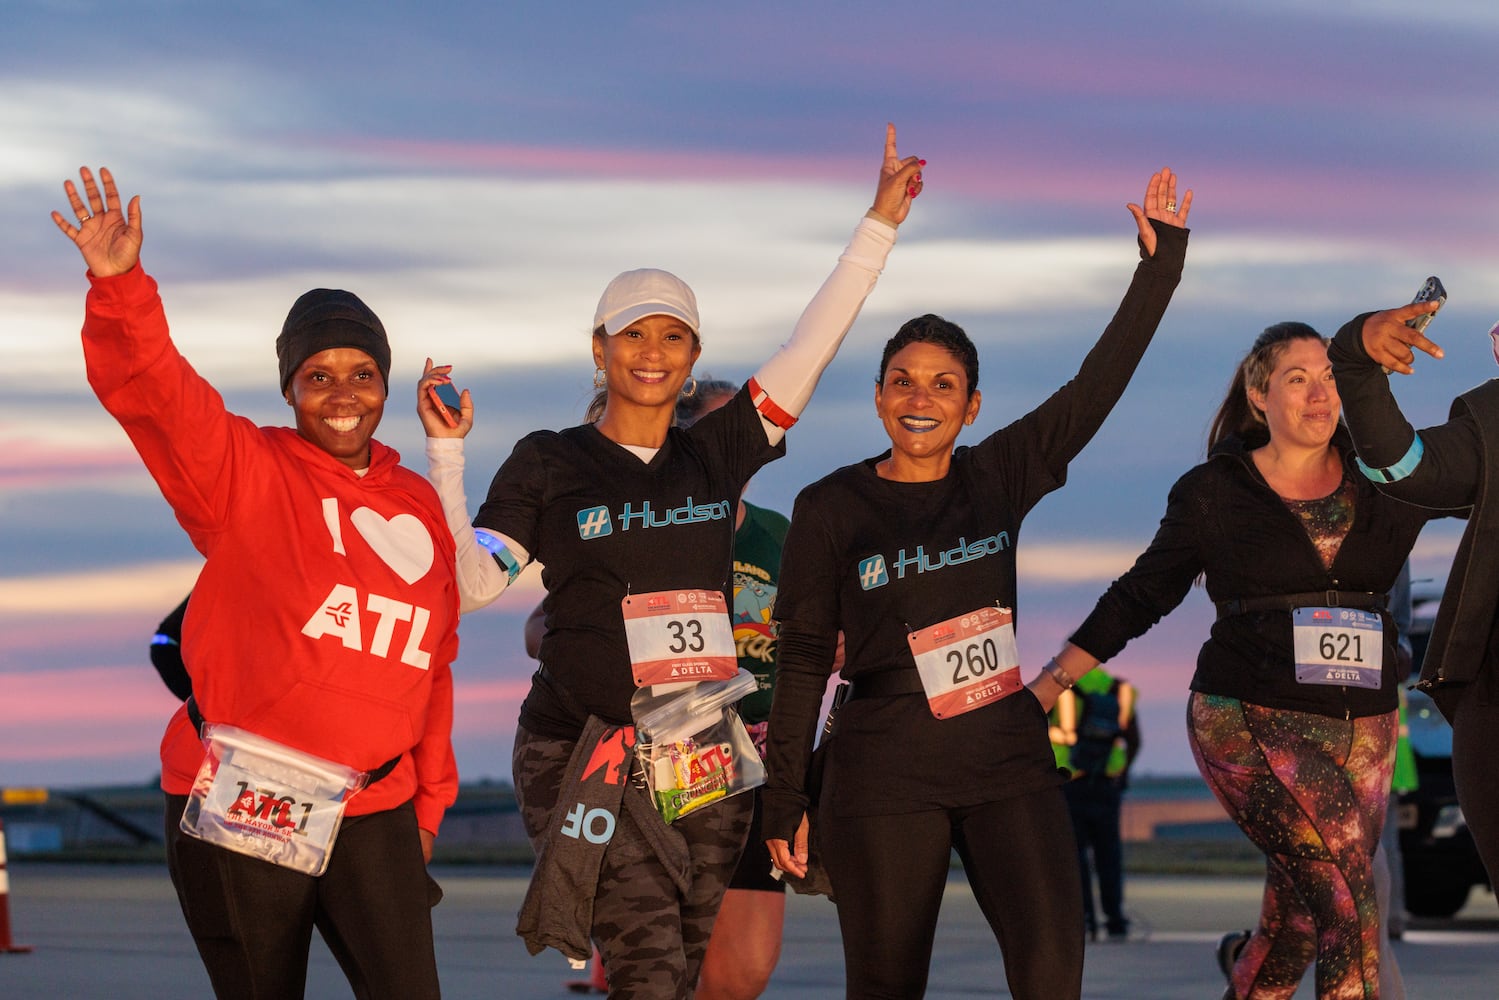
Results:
[1095, 736]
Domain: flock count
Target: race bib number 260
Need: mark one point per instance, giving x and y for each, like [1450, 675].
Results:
[968, 661]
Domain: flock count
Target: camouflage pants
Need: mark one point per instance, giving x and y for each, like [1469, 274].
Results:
[651, 937]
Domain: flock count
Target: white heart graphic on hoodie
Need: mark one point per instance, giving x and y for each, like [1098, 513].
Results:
[401, 542]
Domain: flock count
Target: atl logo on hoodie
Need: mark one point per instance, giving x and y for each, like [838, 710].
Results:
[401, 542]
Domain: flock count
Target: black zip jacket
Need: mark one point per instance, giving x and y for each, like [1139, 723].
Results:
[1456, 470]
[1225, 522]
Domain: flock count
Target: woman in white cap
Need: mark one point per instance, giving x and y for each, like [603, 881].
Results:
[631, 505]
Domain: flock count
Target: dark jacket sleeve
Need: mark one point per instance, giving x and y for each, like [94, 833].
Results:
[793, 726]
[166, 653]
[1159, 580]
[806, 648]
[1067, 421]
[1447, 475]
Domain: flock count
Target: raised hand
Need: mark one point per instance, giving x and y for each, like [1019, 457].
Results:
[1391, 343]
[900, 182]
[427, 407]
[110, 240]
[1161, 205]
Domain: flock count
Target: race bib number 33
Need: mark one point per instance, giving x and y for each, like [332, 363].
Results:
[679, 635]
[967, 661]
[1338, 646]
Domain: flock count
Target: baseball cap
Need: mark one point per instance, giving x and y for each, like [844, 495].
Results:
[648, 291]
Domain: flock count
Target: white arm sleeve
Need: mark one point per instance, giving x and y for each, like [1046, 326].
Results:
[788, 378]
[481, 575]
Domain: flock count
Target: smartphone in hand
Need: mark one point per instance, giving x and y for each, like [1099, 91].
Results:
[447, 401]
[1431, 291]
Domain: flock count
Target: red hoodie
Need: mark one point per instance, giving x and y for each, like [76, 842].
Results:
[326, 613]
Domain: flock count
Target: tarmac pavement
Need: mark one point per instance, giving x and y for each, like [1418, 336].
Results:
[114, 932]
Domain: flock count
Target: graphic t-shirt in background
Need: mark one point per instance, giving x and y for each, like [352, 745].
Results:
[757, 572]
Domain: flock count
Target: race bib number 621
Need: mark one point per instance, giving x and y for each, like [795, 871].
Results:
[1338, 646]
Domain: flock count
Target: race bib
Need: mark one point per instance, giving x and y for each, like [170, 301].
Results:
[967, 661]
[255, 796]
[679, 635]
[1338, 646]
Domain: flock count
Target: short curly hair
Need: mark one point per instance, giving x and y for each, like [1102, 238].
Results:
[933, 329]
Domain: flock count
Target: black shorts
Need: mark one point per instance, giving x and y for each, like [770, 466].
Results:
[754, 864]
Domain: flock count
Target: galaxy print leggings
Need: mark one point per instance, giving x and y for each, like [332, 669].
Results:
[1310, 791]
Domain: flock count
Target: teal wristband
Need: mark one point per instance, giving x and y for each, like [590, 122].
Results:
[502, 555]
[1401, 469]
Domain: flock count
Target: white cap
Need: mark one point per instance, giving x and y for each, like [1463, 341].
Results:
[648, 291]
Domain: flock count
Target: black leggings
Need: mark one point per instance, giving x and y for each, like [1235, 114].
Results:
[889, 873]
[252, 921]
[1475, 761]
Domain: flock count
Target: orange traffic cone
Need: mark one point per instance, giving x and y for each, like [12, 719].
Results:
[6, 945]
[597, 981]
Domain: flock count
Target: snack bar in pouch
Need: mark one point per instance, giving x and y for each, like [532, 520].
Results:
[258, 797]
[692, 744]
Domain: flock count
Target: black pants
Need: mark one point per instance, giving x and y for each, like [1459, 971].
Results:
[1475, 762]
[1094, 805]
[889, 873]
[252, 921]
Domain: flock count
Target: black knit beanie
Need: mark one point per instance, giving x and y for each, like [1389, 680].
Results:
[325, 318]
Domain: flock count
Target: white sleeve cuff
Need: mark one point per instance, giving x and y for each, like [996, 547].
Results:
[481, 579]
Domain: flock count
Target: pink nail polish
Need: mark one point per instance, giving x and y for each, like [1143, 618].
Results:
[922, 162]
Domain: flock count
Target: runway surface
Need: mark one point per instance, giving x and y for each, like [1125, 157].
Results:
[115, 933]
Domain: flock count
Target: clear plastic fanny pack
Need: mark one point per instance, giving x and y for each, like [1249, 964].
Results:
[258, 797]
[693, 746]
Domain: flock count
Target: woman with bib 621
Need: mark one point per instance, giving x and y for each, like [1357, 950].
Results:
[1292, 716]
[911, 556]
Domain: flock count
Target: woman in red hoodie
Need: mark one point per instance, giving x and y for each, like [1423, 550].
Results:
[320, 636]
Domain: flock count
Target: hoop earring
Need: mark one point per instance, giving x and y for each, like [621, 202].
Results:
[689, 388]
[600, 378]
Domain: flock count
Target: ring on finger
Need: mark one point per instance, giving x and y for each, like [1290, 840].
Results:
[1171, 205]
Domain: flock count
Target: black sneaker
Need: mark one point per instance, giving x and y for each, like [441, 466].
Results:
[1229, 949]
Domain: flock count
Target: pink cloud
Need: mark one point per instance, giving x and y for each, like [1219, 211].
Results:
[100, 713]
[109, 714]
[1058, 172]
[578, 161]
[30, 463]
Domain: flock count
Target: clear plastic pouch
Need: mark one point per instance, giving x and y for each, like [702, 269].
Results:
[258, 797]
[693, 746]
